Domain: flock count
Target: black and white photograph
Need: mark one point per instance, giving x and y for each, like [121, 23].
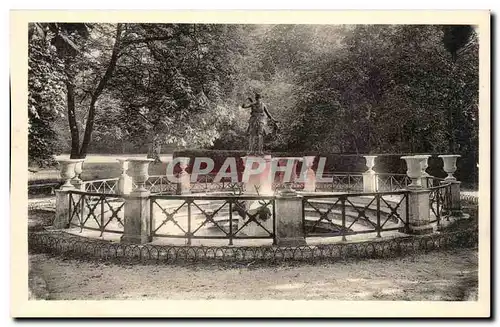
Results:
[280, 160]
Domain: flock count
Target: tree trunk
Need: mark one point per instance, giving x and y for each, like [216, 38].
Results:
[73, 127]
[451, 143]
[154, 149]
[100, 87]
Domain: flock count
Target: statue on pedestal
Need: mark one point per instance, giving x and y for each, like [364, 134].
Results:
[257, 125]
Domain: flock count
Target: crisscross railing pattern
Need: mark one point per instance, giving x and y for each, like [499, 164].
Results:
[295, 185]
[349, 214]
[161, 185]
[109, 186]
[203, 183]
[440, 202]
[207, 183]
[239, 216]
[213, 217]
[392, 182]
[341, 182]
[101, 212]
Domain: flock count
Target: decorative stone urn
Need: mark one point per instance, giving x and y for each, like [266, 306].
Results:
[138, 170]
[184, 182]
[124, 181]
[183, 163]
[449, 165]
[414, 170]
[78, 170]
[68, 172]
[370, 163]
[423, 165]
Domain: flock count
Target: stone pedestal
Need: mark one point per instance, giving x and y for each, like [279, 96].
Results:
[124, 186]
[289, 223]
[419, 212]
[308, 175]
[137, 220]
[369, 182]
[258, 178]
[136, 224]
[455, 209]
[183, 179]
[78, 184]
[61, 219]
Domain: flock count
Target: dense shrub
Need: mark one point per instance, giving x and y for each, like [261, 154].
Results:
[352, 163]
[219, 156]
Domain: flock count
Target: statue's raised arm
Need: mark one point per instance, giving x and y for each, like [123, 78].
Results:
[246, 106]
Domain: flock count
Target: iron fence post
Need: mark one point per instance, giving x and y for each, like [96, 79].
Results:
[378, 215]
[304, 202]
[438, 210]
[230, 222]
[151, 218]
[82, 211]
[101, 198]
[275, 241]
[189, 223]
[407, 209]
[342, 201]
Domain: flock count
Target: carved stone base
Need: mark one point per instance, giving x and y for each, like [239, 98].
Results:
[61, 219]
[420, 230]
[291, 241]
[447, 221]
[134, 239]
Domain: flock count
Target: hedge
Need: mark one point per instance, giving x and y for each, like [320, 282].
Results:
[351, 163]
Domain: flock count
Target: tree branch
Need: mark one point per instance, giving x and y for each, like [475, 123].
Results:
[100, 87]
[147, 39]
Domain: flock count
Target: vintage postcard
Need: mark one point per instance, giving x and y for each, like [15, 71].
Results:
[250, 164]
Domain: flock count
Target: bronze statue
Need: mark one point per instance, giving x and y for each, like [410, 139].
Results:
[257, 125]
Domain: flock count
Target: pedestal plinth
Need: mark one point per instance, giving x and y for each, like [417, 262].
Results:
[257, 175]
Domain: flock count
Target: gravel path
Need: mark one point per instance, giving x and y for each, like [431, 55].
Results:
[448, 276]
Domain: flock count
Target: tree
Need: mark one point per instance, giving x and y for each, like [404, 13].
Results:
[45, 95]
[456, 39]
[176, 91]
[188, 70]
[388, 88]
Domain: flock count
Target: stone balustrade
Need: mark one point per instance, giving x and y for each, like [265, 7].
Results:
[288, 205]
